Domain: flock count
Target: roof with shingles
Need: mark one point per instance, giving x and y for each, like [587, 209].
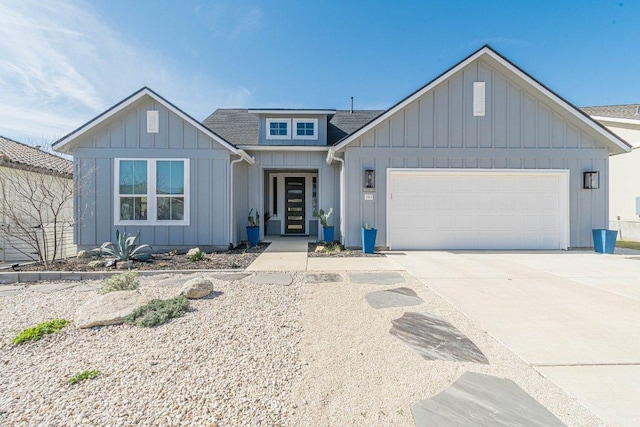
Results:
[240, 127]
[15, 154]
[628, 111]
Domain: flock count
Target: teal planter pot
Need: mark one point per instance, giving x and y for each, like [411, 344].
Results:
[253, 235]
[604, 241]
[327, 234]
[369, 240]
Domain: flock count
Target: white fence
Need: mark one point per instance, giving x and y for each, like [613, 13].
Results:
[14, 249]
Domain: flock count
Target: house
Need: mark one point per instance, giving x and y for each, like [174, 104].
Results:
[36, 211]
[624, 171]
[482, 157]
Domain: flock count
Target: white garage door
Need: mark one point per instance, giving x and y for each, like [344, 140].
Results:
[479, 209]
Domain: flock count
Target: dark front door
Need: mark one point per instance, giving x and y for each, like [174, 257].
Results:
[294, 205]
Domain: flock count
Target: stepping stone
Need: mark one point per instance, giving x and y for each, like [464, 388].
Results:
[398, 297]
[9, 291]
[51, 287]
[482, 400]
[386, 278]
[434, 338]
[323, 278]
[272, 279]
[230, 277]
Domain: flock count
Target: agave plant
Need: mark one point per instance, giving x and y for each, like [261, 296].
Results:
[125, 248]
[323, 216]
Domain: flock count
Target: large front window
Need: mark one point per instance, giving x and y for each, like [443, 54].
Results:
[152, 191]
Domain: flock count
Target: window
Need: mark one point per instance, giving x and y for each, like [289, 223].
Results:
[305, 128]
[151, 192]
[278, 129]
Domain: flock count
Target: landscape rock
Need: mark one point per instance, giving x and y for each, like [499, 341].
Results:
[319, 248]
[110, 263]
[198, 287]
[84, 254]
[193, 252]
[124, 265]
[96, 264]
[108, 309]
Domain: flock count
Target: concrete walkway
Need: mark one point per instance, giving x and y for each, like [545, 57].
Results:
[574, 316]
[283, 254]
[290, 254]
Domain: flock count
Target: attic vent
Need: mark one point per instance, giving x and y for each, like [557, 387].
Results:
[478, 98]
[153, 121]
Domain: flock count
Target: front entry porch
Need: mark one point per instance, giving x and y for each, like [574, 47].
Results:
[290, 197]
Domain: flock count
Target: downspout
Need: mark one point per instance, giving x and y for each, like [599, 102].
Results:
[330, 158]
[243, 156]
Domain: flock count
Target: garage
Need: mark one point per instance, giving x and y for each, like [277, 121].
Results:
[477, 209]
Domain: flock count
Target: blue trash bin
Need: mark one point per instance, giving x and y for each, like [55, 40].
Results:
[604, 241]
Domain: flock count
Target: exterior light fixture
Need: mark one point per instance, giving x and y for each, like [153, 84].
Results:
[590, 180]
[369, 179]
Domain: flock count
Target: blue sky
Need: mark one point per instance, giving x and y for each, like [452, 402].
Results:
[64, 62]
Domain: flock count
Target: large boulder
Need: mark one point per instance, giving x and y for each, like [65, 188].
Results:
[109, 309]
[197, 288]
[193, 252]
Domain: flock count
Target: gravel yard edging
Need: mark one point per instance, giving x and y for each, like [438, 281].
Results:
[36, 276]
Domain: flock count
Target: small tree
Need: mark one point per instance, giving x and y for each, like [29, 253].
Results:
[36, 209]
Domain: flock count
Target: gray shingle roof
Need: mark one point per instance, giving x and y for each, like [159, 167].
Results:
[22, 156]
[629, 111]
[239, 127]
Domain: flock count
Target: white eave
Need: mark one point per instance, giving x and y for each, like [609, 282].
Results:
[616, 142]
[617, 120]
[284, 147]
[64, 144]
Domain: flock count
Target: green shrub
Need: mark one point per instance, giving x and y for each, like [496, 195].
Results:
[84, 375]
[158, 311]
[198, 256]
[35, 333]
[120, 282]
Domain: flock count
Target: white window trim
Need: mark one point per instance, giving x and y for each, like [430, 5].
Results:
[152, 208]
[273, 120]
[302, 120]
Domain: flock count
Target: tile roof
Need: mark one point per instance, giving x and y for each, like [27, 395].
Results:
[239, 127]
[628, 111]
[22, 156]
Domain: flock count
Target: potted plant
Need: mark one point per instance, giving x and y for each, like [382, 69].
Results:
[368, 239]
[327, 231]
[253, 229]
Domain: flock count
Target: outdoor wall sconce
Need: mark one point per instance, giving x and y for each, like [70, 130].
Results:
[590, 180]
[369, 179]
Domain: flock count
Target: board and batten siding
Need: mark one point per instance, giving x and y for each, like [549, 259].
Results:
[249, 183]
[522, 129]
[125, 136]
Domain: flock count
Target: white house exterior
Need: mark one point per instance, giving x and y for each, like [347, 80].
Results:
[482, 157]
[624, 170]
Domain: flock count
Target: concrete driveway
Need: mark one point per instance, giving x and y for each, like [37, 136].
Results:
[575, 316]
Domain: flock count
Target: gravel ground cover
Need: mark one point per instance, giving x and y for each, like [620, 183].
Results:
[230, 361]
[320, 250]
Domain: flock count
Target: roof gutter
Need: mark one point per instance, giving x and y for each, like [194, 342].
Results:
[244, 156]
[330, 158]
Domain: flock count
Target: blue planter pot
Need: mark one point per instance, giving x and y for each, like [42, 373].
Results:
[327, 233]
[369, 240]
[604, 241]
[253, 235]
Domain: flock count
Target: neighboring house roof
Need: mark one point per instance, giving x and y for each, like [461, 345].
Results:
[629, 111]
[14, 154]
[64, 143]
[240, 127]
[617, 145]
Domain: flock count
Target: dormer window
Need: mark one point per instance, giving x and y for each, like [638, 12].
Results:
[278, 129]
[305, 128]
